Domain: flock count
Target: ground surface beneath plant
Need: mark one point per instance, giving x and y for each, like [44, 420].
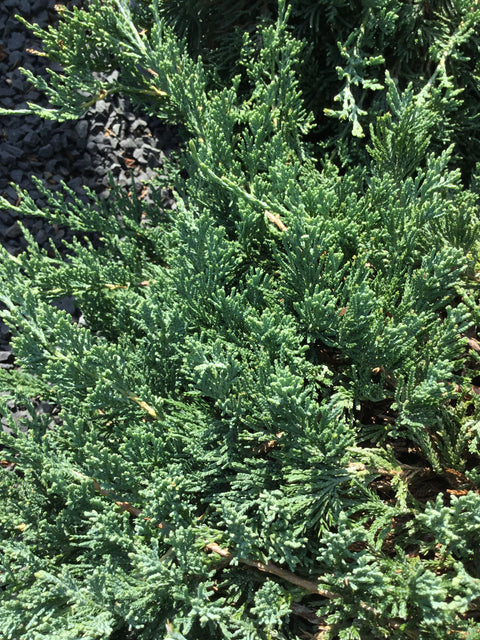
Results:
[110, 139]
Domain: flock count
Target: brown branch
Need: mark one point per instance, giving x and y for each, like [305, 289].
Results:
[124, 506]
[307, 614]
[276, 220]
[473, 344]
[268, 567]
[271, 568]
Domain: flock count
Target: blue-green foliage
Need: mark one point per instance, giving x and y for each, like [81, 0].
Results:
[268, 373]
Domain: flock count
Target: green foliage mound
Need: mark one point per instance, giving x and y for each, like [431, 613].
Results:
[269, 424]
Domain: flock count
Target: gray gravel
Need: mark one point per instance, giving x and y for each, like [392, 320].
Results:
[110, 139]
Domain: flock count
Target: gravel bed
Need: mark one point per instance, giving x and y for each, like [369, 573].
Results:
[110, 139]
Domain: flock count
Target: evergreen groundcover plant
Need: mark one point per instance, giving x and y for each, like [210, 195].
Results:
[270, 423]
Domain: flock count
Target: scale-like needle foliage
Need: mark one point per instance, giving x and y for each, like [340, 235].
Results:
[269, 419]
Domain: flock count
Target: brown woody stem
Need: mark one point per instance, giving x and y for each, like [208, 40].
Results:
[268, 567]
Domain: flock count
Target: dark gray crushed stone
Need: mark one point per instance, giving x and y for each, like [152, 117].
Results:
[109, 138]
